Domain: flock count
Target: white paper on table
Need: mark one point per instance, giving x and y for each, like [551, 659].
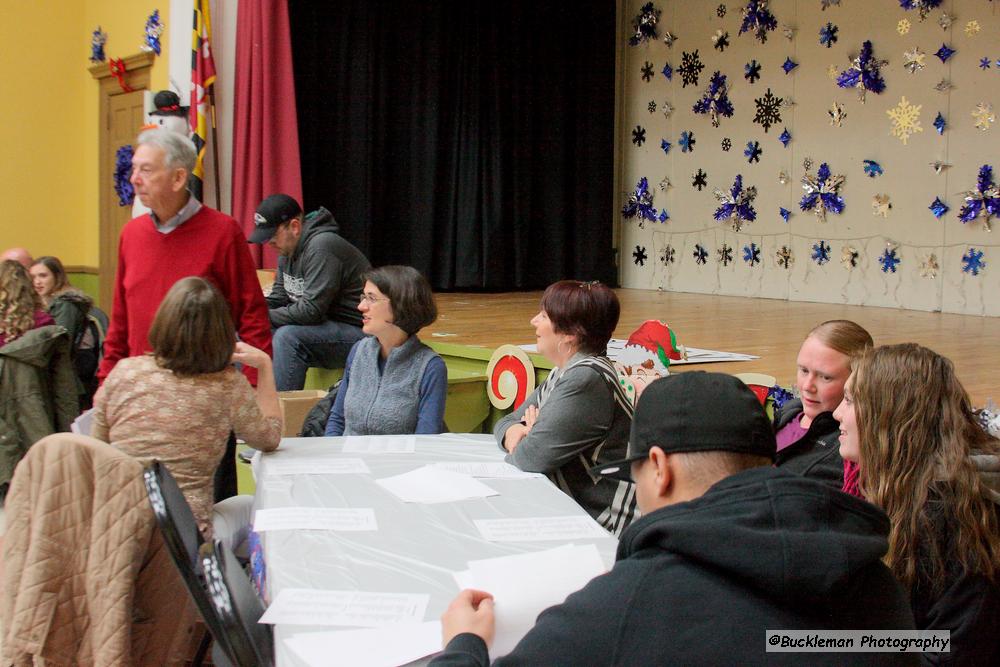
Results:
[377, 444]
[314, 518]
[385, 646]
[489, 469]
[524, 585]
[83, 424]
[430, 485]
[531, 529]
[306, 606]
[316, 466]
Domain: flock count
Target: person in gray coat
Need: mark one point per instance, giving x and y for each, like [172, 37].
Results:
[313, 302]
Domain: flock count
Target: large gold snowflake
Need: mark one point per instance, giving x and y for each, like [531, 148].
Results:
[903, 27]
[905, 120]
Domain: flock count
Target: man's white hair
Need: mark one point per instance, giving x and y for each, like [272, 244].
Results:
[178, 150]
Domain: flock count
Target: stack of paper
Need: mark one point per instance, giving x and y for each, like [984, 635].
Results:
[431, 484]
[386, 646]
[523, 586]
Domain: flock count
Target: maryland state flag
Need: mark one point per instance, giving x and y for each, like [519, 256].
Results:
[202, 79]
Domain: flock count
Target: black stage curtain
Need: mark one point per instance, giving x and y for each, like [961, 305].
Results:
[472, 140]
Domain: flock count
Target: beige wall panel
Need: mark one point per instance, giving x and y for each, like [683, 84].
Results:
[909, 179]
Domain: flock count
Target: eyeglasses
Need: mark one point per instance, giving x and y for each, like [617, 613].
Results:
[371, 299]
[590, 284]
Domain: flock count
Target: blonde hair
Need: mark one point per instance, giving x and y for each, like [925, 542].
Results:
[18, 300]
[847, 337]
[917, 430]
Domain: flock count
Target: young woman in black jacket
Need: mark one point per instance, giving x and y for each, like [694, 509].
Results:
[908, 422]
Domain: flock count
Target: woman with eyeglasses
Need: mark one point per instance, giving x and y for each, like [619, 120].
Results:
[393, 384]
[922, 457]
[580, 416]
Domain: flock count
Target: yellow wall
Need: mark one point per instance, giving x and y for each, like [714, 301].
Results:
[48, 119]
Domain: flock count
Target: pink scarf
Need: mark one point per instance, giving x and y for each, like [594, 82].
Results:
[851, 479]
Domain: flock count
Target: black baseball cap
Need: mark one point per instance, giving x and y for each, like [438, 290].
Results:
[272, 212]
[695, 412]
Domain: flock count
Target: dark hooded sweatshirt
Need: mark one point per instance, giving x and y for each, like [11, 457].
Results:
[321, 280]
[698, 583]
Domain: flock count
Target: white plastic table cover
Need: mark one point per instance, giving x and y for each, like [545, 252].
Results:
[417, 547]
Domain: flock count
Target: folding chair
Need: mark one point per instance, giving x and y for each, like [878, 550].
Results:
[235, 603]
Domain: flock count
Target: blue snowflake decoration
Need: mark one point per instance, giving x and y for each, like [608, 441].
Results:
[152, 33]
[638, 135]
[123, 170]
[828, 35]
[938, 207]
[668, 72]
[687, 142]
[751, 254]
[758, 20]
[98, 39]
[665, 145]
[922, 6]
[785, 137]
[715, 101]
[700, 254]
[972, 262]
[751, 71]
[984, 63]
[789, 65]
[889, 259]
[644, 25]
[821, 252]
[939, 123]
[753, 152]
[640, 203]
[664, 216]
[736, 206]
[865, 73]
[822, 193]
[779, 395]
[944, 53]
[639, 256]
[784, 213]
[872, 168]
[984, 201]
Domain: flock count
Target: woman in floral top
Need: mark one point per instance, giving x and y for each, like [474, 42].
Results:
[179, 402]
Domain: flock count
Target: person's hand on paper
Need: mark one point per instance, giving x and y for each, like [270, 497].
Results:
[248, 355]
[471, 611]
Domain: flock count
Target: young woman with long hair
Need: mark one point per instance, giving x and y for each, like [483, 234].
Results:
[908, 423]
[20, 308]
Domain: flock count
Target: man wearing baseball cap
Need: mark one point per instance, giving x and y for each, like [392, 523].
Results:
[728, 547]
[313, 305]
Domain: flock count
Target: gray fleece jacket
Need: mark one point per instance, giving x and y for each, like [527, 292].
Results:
[322, 278]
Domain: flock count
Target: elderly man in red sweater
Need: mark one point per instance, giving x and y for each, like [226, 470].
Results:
[179, 237]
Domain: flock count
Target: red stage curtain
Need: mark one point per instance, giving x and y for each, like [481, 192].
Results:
[265, 133]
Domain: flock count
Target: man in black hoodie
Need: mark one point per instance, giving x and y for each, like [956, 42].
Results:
[313, 304]
[727, 548]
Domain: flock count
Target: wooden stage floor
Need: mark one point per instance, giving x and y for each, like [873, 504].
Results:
[770, 328]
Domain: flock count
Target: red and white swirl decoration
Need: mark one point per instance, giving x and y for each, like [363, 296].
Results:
[511, 377]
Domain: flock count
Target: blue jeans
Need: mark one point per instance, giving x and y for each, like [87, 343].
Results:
[297, 347]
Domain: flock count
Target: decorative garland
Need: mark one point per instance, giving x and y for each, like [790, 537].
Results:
[640, 203]
[864, 74]
[757, 19]
[123, 169]
[715, 101]
[822, 193]
[982, 202]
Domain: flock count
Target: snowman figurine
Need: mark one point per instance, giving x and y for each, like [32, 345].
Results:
[168, 114]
